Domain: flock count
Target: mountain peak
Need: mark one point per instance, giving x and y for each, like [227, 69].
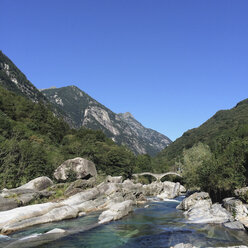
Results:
[126, 115]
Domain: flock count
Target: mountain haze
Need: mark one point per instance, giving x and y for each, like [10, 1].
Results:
[85, 111]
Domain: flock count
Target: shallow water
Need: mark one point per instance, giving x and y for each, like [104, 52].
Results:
[158, 225]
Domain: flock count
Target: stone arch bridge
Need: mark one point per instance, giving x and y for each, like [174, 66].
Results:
[157, 176]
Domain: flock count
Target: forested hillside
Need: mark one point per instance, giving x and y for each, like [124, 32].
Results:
[83, 110]
[214, 156]
[33, 142]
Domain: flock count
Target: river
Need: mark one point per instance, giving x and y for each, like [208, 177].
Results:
[156, 224]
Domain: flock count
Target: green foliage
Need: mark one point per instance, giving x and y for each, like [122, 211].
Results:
[227, 168]
[214, 157]
[33, 142]
[191, 162]
[71, 176]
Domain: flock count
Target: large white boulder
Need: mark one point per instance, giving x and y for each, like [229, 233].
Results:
[190, 201]
[199, 209]
[116, 211]
[83, 168]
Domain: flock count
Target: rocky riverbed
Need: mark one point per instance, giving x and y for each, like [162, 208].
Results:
[112, 199]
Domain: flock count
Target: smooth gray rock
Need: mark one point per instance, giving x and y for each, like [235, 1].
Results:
[6, 204]
[79, 185]
[237, 209]
[191, 200]
[182, 245]
[170, 190]
[38, 184]
[199, 209]
[116, 211]
[235, 225]
[82, 167]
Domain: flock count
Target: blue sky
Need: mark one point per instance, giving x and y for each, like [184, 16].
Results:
[172, 64]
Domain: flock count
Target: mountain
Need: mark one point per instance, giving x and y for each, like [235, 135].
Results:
[79, 109]
[85, 111]
[225, 124]
[11, 78]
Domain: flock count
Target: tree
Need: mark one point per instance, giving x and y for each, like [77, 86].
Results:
[192, 160]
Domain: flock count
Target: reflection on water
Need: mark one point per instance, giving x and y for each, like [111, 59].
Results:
[159, 225]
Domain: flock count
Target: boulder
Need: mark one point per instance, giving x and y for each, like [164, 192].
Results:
[170, 190]
[242, 192]
[182, 190]
[235, 225]
[79, 185]
[56, 214]
[6, 204]
[37, 184]
[38, 239]
[82, 168]
[199, 209]
[235, 207]
[190, 201]
[28, 192]
[111, 179]
[238, 210]
[116, 211]
[153, 189]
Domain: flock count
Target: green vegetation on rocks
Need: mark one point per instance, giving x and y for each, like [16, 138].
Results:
[34, 142]
[213, 157]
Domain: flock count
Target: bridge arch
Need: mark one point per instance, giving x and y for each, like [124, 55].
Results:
[157, 176]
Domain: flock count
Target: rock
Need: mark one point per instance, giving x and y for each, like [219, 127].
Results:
[57, 230]
[56, 214]
[170, 190]
[116, 211]
[79, 185]
[6, 204]
[235, 225]
[82, 167]
[111, 179]
[37, 184]
[38, 239]
[25, 199]
[190, 201]
[241, 192]
[153, 189]
[182, 245]
[24, 194]
[237, 209]
[182, 190]
[199, 209]
[73, 191]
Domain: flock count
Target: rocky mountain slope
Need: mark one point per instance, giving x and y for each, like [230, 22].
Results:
[122, 128]
[11, 78]
[79, 109]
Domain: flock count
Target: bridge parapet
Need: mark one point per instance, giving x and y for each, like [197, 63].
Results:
[157, 176]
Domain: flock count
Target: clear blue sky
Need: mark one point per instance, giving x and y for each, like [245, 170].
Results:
[172, 64]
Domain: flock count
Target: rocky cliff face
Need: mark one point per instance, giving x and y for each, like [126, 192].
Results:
[79, 109]
[122, 128]
[14, 80]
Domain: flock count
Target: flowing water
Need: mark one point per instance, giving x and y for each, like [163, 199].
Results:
[158, 224]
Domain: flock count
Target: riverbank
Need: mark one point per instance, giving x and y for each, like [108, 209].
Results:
[154, 224]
